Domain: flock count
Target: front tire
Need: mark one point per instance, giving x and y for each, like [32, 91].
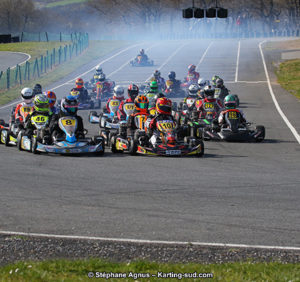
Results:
[34, 146]
[262, 134]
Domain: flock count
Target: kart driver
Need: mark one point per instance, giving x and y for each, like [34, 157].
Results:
[230, 106]
[26, 95]
[118, 95]
[175, 82]
[83, 93]
[133, 92]
[52, 100]
[192, 74]
[144, 57]
[160, 80]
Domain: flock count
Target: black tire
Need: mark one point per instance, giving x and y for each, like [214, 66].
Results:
[199, 155]
[2, 122]
[262, 135]
[34, 146]
[19, 139]
[113, 144]
[96, 141]
[133, 147]
[6, 139]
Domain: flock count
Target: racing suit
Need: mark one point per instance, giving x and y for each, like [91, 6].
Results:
[200, 104]
[175, 84]
[192, 76]
[54, 124]
[160, 82]
[83, 94]
[106, 88]
[131, 126]
[121, 113]
[240, 114]
[120, 99]
[223, 93]
[144, 58]
[17, 115]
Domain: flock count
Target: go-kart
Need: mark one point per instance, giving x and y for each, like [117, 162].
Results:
[173, 91]
[3, 126]
[190, 79]
[233, 130]
[104, 90]
[139, 62]
[9, 134]
[68, 143]
[165, 142]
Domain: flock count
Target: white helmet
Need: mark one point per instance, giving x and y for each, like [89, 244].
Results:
[193, 89]
[99, 69]
[119, 91]
[27, 95]
[202, 82]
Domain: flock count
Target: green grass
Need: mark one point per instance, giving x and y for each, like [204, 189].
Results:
[288, 76]
[96, 50]
[77, 270]
[64, 3]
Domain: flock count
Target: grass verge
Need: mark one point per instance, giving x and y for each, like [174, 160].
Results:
[96, 50]
[288, 76]
[77, 270]
[64, 3]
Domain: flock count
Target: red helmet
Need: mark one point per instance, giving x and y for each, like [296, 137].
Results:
[79, 83]
[52, 98]
[133, 91]
[141, 103]
[164, 106]
[191, 68]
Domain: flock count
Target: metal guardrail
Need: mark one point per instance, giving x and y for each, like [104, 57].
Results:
[44, 63]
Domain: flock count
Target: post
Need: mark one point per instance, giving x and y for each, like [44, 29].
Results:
[20, 75]
[8, 78]
[60, 37]
[42, 63]
[46, 33]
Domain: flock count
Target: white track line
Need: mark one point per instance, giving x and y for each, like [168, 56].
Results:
[147, 241]
[104, 61]
[290, 126]
[251, 82]
[237, 62]
[204, 54]
[168, 59]
[22, 63]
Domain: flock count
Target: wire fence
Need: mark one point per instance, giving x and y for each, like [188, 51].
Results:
[44, 63]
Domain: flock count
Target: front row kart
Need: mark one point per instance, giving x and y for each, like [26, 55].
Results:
[138, 62]
[68, 144]
[233, 130]
[166, 144]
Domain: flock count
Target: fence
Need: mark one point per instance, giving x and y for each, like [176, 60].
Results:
[44, 63]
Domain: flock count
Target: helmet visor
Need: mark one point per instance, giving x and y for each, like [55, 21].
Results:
[164, 108]
[143, 105]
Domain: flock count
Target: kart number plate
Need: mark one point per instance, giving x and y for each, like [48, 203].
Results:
[232, 115]
[129, 107]
[68, 122]
[99, 85]
[114, 103]
[209, 106]
[173, 152]
[39, 119]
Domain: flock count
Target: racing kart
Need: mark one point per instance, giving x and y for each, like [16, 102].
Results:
[9, 133]
[139, 62]
[166, 142]
[173, 91]
[233, 130]
[109, 122]
[190, 79]
[69, 143]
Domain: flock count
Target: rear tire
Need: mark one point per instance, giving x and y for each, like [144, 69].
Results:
[201, 153]
[6, 139]
[262, 135]
[34, 146]
[19, 139]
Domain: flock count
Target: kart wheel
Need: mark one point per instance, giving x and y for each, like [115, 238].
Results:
[133, 147]
[6, 138]
[34, 145]
[19, 139]
[96, 140]
[2, 122]
[113, 144]
[201, 153]
[262, 134]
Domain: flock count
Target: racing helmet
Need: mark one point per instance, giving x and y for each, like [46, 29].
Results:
[142, 51]
[69, 105]
[79, 83]
[172, 75]
[159, 95]
[219, 82]
[214, 79]
[27, 95]
[209, 92]
[102, 77]
[164, 106]
[230, 102]
[52, 98]
[74, 92]
[99, 69]
[193, 89]
[191, 68]
[133, 91]
[41, 103]
[141, 103]
[37, 89]
[119, 91]
[156, 74]
[154, 86]
[202, 82]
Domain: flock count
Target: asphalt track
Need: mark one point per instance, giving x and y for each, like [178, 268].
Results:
[239, 193]
[11, 59]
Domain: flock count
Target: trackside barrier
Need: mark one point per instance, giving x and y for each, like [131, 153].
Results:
[44, 63]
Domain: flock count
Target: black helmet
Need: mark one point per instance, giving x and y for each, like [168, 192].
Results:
[172, 75]
[37, 89]
[133, 91]
[219, 82]
[209, 92]
[159, 95]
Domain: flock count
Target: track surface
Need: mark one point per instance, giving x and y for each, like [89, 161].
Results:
[238, 193]
[11, 59]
